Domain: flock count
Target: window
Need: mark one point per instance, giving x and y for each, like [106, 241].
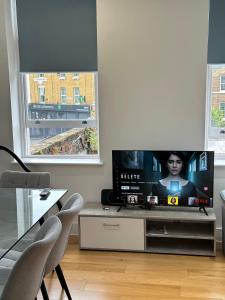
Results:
[41, 94]
[76, 76]
[63, 96]
[215, 121]
[55, 129]
[76, 95]
[47, 124]
[222, 108]
[222, 83]
[62, 76]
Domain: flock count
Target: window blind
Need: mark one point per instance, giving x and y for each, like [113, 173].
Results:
[57, 35]
[216, 41]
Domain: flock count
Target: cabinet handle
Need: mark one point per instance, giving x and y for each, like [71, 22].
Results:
[111, 225]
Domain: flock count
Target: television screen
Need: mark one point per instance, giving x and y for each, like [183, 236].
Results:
[163, 178]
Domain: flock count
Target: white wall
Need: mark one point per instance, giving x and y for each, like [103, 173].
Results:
[152, 73]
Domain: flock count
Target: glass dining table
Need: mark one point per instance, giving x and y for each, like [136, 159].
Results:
[20, 210]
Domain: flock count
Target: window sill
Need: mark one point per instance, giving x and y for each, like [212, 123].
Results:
[61, 161]
[219, 162]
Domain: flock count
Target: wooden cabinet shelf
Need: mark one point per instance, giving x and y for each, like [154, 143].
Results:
[179, 229]
[178, 246]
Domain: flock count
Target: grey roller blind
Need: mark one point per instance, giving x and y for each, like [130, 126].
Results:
[216, 42]
[57, 35]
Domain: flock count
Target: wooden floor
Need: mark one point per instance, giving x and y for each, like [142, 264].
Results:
[101, 275]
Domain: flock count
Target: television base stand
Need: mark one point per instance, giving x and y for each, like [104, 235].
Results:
[153, 231]
[204, 210]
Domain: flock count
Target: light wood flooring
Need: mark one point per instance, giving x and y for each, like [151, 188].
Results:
[101, 275]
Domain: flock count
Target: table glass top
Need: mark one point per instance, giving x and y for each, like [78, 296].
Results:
[20, 209]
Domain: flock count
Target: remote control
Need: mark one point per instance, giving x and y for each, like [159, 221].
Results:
[45, 192]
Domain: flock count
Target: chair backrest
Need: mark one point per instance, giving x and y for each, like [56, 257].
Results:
[25, 278]
[16, 179]
[66, 215]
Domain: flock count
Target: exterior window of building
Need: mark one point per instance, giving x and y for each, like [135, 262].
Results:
[75, 76]
[222, 108]
[62, 76]
[215, 127]
[41, 94]
[76, 95]
[41, 75]
[60, 129]
[63, 95]
[222, 83]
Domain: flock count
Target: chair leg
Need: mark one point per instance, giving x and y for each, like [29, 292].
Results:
[44, 291]
[59, 205]
[62, 281]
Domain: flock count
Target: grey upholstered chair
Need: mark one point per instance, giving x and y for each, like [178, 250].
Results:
[66, 216]
[24, 279]
[17, 179]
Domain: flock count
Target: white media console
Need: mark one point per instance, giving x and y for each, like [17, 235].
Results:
[155, 231]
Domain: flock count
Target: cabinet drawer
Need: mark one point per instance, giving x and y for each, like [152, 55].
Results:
[112, 233]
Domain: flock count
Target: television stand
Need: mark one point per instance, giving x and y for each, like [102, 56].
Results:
[204, 210]
[187, 232]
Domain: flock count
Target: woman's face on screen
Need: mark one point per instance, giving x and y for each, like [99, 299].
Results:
[174, 164]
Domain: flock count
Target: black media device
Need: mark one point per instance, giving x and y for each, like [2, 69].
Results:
[107, 197]
[162, 178]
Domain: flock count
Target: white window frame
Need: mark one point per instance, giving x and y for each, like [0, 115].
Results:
[19, 90]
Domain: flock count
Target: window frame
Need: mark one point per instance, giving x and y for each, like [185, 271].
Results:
[18, 92]
[219, 158]
[63, 123]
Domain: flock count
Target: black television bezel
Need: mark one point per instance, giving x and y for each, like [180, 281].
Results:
[114, 203]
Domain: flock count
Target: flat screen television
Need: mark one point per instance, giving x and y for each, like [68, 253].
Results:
[163, 178]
